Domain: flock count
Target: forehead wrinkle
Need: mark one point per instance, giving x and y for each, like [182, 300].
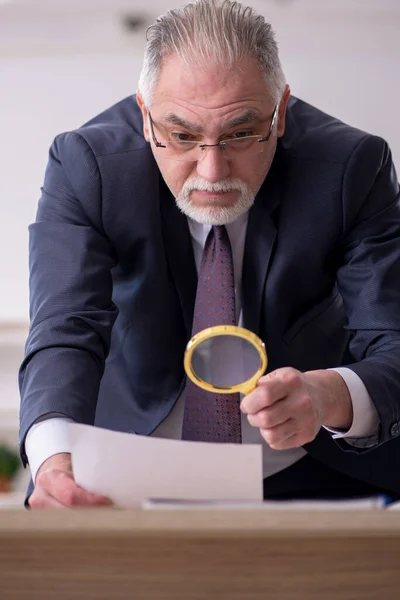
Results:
[173, 119]
[250, 116]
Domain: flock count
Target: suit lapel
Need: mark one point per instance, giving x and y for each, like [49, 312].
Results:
[179, 251]
[260, 241]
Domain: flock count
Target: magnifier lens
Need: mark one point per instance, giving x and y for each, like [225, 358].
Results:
[225, 361]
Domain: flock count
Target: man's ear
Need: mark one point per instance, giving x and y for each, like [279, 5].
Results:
[282, 112]
[145, 115]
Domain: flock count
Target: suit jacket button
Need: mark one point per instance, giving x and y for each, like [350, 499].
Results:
[395, 429]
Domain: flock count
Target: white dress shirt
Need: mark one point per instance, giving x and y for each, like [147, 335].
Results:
[50, 436]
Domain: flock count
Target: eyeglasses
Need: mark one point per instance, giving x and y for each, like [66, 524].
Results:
[191, 151]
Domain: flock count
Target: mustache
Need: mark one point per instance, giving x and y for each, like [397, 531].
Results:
[225, 185]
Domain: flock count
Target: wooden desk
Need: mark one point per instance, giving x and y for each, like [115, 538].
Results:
[194, 554]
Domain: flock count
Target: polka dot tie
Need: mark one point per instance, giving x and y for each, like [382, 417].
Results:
[210, 417]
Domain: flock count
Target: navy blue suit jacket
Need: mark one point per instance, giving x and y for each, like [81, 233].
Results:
[113, 279]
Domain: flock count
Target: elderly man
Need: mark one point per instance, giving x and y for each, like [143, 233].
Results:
[213, 170]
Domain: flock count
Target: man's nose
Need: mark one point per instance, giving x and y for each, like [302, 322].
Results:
[213, 166]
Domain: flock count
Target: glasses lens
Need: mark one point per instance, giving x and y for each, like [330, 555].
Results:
[245, 146]
[184, 151]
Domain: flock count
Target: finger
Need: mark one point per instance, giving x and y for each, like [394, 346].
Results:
[274, 415]
[298, 406]
[82, 497]
[270, 389]
[293, 441]
[301, 433]
[61, 486]
[274, 436]
[263, 396]
[40, 499]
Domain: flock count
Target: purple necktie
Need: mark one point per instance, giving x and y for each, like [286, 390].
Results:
[210, 417]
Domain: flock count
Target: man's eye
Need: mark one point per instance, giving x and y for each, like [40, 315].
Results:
[181, 137]
[242, 134]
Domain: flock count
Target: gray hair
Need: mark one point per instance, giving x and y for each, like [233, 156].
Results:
[217, 32]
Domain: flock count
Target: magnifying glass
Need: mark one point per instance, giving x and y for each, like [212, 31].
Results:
[225, 359]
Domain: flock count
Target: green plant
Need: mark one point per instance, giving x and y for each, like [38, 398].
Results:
[9, 462]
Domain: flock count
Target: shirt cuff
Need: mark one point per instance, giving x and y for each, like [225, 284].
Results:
[365, 416]
[45, 439]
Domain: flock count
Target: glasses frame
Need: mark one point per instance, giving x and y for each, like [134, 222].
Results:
[222, 144]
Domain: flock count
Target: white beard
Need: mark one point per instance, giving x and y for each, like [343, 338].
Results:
[212, 214]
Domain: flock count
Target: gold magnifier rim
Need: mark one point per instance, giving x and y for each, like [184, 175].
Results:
[246, 386]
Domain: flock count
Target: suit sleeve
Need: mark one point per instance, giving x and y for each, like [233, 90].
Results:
[71, 308]
[369, 279]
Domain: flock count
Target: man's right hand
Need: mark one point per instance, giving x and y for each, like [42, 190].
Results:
[55, 486]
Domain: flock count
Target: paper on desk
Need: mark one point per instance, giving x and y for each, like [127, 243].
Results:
[129, 468]
[357, 504]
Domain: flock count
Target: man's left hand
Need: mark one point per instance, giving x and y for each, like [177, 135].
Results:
[289, 407]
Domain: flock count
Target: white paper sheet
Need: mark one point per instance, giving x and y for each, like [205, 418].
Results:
[357, 504]
[130, 469]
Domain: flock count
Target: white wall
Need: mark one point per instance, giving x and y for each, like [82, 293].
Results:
[43, 97]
